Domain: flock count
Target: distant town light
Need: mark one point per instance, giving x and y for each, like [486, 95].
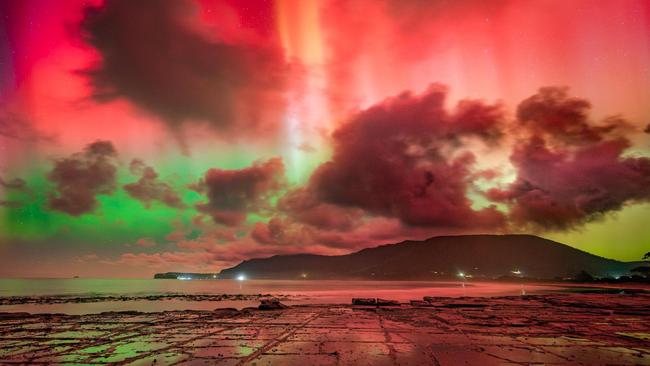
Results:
[516, 272]
[241, 277]
[461, 274]
[303, 275]
[184, 278]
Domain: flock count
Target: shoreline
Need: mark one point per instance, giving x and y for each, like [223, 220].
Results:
[79, 304]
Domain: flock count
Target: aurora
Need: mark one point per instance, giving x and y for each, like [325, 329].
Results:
[145, 136]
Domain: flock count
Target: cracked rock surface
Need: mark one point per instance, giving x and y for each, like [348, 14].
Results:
[566, 329]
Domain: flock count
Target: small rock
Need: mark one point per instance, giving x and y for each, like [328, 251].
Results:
[370, 301]
[420, 303]
[431, 299]
[364, 301]
[271, 304]
[8, 316]
[384, 302]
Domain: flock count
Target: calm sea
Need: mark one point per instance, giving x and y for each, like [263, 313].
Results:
[302, 292]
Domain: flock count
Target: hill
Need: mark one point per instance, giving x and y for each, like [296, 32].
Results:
[484, 256]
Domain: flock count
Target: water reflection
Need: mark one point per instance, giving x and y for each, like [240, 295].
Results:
[306, 291]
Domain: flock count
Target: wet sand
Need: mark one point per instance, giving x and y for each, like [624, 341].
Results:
[558, 329]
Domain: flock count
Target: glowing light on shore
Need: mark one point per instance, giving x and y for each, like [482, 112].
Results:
[241, 277]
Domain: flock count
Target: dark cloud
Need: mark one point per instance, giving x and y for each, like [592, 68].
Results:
[647, 128]
[13, 184]
[16, 183]
[391, 160]
[153, 54]
[149, 188]
[570, 172]
[81, 177]
[232, 194]
[553, 112]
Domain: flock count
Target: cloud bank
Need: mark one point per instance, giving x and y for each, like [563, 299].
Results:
[81, 177]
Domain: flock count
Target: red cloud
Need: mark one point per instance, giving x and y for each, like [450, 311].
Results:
[570, 172]
[553, 113]
[560, 188]
[232, 194]
[146, 242]
[303, 205]
[391, 160]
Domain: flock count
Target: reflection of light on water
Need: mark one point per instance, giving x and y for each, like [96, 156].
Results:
[463, 277]
[241, 278]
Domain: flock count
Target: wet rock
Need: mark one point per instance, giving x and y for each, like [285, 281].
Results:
[384, 302]
[124, 312]
[420, 303]
[371, 301]
[226, 311]
[271, 304]
[367, 301]
[7, 316]
[65, 299]
[431, 299]
[464, 305]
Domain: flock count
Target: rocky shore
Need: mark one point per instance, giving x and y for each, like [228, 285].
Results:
[75, 299]
[560, 329]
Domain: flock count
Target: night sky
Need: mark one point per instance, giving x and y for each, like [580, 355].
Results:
[145, 136]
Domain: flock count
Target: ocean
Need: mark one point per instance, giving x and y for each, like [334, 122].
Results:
[70, 296]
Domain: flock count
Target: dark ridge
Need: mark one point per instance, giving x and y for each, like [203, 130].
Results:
[478, 256]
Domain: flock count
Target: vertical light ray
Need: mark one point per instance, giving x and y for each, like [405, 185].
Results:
[299, 28]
